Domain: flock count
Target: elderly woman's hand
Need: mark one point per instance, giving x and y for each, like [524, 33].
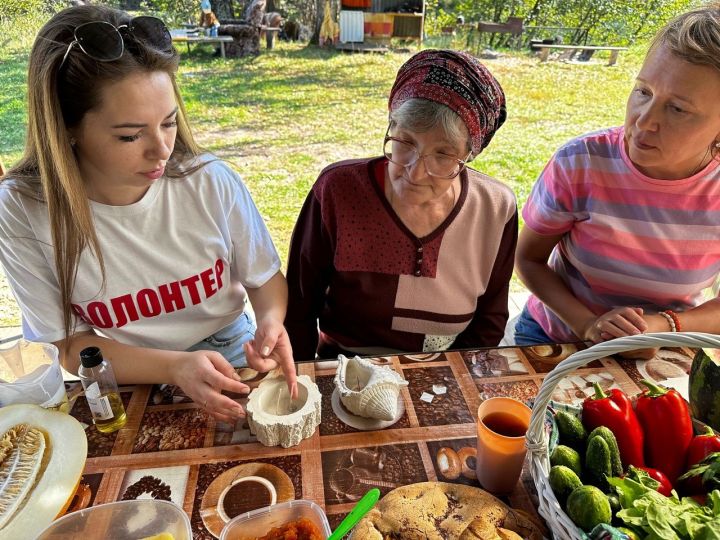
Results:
[271, 348]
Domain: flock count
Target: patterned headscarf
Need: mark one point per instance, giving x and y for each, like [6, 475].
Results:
[459, 81]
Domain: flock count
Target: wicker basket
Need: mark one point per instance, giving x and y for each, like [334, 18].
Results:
[561, 525]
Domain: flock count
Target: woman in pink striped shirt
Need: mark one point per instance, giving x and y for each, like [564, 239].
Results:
[622, 228]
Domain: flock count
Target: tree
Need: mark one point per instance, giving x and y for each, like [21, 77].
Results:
[319, 14]
[599, 21]
[223, 9]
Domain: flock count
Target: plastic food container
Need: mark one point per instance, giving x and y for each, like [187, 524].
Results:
[258, 523]
[122, 520]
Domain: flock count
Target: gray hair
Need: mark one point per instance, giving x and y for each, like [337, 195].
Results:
[421, 115]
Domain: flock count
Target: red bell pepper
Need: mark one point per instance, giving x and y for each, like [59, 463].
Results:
[615, 411]
[665, 487]
[666, 422]
[700, 447]
[707, 472]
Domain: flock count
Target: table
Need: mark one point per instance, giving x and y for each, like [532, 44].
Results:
[171, 449]
[573, 49]
[514, 26]
[270, 32]
[222, 40]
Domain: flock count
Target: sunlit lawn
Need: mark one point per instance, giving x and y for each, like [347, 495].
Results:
[284, 115]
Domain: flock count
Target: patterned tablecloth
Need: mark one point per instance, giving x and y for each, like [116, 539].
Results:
[170, 449]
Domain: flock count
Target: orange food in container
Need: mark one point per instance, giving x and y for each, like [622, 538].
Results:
[298, 520]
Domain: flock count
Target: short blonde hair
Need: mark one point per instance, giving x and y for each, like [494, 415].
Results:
[693, 36]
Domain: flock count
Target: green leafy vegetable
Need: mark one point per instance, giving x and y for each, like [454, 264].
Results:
[657, 517]
[708, 470]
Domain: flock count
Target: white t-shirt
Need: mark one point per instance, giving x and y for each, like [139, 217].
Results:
[177, 262]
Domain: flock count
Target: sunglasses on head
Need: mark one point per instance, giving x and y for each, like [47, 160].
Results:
[103, 42]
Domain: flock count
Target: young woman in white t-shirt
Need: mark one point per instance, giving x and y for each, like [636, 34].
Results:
[118, 232]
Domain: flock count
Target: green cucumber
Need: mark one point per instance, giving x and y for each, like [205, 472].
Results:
[564, 455]
[587, 506]
[563, 482]
[616, 467]
[598, 464]
[571, 431]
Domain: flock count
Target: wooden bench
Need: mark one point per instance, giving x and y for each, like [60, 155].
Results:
[573, 49]
[222, 40]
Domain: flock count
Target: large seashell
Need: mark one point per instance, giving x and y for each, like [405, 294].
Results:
[367, 389]
[276, 419]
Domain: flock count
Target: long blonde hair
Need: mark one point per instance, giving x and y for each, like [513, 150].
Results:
[59, 96]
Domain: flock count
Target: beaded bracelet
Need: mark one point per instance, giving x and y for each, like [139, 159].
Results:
[670, 320]
[675, 319]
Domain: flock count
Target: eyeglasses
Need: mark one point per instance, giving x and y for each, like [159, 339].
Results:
[406, 154]
[103, 42]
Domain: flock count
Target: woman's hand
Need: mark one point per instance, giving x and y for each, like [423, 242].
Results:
[619, 322]
[203, 375]
[271, 348]
[655, 323]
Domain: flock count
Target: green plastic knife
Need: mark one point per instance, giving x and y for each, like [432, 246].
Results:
[362, 507]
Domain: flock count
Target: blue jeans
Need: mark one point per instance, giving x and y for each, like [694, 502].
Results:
[229, 341]
[528, 331]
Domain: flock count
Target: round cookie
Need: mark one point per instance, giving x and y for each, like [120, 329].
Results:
[438, 510]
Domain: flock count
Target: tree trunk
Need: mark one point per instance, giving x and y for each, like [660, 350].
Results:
[223, 9]
[319, 14]
[269, 6]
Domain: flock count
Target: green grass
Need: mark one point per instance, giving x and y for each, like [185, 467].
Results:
[284, 115]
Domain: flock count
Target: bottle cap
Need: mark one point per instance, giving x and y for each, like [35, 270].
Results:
[90, 357]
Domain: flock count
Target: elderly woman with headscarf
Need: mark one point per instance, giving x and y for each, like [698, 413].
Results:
[411, 251]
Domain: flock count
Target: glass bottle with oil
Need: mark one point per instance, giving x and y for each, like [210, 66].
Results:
[101, 391]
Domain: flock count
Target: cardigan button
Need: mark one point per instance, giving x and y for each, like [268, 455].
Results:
[418, 272]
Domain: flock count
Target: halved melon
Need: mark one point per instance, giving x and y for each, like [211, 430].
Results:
[37, 478]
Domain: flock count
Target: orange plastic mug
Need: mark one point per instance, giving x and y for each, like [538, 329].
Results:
[501, 425]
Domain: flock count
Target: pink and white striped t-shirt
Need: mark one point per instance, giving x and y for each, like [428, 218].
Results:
[629, 240]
